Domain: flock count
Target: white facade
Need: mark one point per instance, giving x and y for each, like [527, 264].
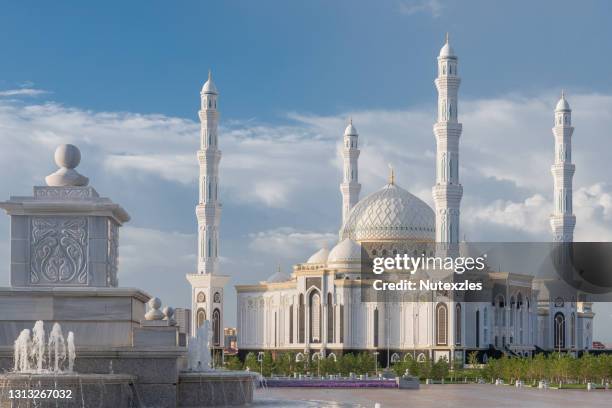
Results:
[207, 285]
[319, 308]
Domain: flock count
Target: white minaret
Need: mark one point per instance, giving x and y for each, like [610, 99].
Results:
[562, 221]
[350, 186]
[207, 285]
[447, 191]
[208, 210]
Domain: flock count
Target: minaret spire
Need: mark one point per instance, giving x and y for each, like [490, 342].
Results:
[562, 221]
[447, 191]
[350, 186]
[208, 210]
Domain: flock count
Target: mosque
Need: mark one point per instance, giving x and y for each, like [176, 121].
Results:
[317, 311]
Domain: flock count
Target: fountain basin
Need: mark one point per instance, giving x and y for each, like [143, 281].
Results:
[67, 390]
[215, 388]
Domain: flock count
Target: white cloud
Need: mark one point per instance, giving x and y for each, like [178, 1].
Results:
[287, 242]
[529, 215]
[22, 92]
[410, 7]
[279, 183]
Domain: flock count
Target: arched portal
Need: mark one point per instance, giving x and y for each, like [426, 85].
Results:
[441, 324]
[559, 331]
[200, 317]
[315, 317]
[216, 323]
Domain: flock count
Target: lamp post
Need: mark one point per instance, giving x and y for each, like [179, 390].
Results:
[260, 358]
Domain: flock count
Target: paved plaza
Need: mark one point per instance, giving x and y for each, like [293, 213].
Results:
[434, 396]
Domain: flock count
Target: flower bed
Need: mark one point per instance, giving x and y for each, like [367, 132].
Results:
[336, 383]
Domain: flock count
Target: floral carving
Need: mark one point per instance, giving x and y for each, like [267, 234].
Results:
[59, 250]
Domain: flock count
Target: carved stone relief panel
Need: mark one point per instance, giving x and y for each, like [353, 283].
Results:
[58, 251]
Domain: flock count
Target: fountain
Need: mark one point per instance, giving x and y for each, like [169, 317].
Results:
[64, 269]
[203, 385]
[30, 380]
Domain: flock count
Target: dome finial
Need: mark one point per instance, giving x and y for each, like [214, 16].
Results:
[209, 74]
[562, 93]
[350, 120]
[446, 39]
[391, 175]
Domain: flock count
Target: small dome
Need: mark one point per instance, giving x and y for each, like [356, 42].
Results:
[209, 86]
[562, 105]
[350, 130]
[391, 213]
[345, 251]
[277, 276]
[319, 257]
[447, 50]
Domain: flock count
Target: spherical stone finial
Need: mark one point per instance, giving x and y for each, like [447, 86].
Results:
[68, 156]
[169, 315]
[154, 313]
[154, 303]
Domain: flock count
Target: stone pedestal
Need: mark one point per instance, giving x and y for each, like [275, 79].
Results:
[64, 236]
[98, 316]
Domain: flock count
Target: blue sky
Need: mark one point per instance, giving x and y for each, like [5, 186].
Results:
[317, 56]
[122, 79]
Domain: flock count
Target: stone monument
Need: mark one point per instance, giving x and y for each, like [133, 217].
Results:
[64, 270]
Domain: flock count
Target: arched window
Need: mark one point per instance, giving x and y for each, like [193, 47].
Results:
[216, 327]
[559, 331]
[330, 318]
[395, 358]
[201, 297]
[315, 317]
[375, 327]
[301, 320]
[458, 324]
[200, 317]
[441, 324]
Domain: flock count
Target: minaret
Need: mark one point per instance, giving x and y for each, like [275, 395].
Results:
[562, 221]
[207, 284]
[350, 186]
[208, 210]
[447, 191]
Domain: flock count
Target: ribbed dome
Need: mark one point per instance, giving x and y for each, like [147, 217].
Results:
[562, 105]
[350, 130]
[319, 257]
[346, 251]
[209, 85]
[447, 50]
[391, 213]
[277, 276]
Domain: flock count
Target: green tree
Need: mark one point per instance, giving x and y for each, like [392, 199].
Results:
[250, 362]
[233, 363]
[439, 369]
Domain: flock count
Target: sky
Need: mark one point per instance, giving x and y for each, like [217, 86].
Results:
[121, 80]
